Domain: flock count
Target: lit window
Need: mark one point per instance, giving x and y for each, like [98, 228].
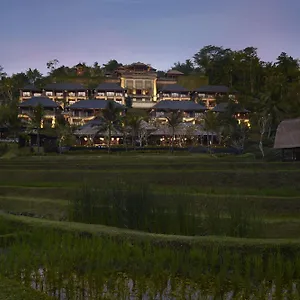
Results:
[26, 94]
[81, 94]
[49, 93]
[110, 94]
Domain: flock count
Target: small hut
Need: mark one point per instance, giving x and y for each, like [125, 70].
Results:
[288, 139]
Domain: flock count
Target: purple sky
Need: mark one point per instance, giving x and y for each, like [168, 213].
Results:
[159, 32]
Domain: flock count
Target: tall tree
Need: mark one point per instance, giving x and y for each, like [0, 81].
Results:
[36, 116]
[52, 64]
[111, 115]
[111, 66]
[187, 67]
[2, 73]
[134, 123]
[33, 75]
[174, 119]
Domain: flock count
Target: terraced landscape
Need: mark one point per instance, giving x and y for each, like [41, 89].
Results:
[149, 226]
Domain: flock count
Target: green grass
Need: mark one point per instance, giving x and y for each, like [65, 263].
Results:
[138, 236]
[12, 290]
[43, 185]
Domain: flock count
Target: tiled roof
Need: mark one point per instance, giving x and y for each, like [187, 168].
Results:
[35, 101]
[218, 89]
[175, 72]
[65, 87]
[222, 107]
[173, 88]
[31, 88]
[109, 87]
[94, 104]
[178, 105]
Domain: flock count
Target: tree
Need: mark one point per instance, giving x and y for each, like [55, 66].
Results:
[174, 118]
[263, 122]
[33, 75]
[134, 123]
[111, 115]
[211, 126]
[111, 66]
[2, 73]
[36, 117]
[186, 68]
[128, 102]
[52, 64]
[64, 132]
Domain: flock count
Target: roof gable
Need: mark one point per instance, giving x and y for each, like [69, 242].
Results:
[35, 101]
[31, 88]
[109, 87]
[216, 89]
[94, 104]
[184, 105]
[173, 88]
[288, 134]
[65, 87]
[223, 107]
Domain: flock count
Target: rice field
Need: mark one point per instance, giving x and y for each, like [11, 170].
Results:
[150, 227]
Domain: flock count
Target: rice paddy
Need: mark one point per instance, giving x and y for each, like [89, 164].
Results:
[150, 227]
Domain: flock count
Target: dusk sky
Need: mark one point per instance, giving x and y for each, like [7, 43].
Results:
[158, 32]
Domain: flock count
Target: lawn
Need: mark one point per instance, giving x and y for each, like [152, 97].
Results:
[214, 194]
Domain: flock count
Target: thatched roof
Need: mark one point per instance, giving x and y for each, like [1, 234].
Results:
[288, 134]
[184, 129]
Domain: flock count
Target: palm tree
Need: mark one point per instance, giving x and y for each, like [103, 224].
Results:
[134, 122]
[211, 124]
[174, 119]
[111, 116]
[36, 118]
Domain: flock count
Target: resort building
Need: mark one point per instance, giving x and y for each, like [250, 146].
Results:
[173, 92]
[110, 91]
[50, 110]
[210, 93]
[139, 80]
[171, 77]
[191, 111]
[84, 111]
[65, 94]
[29, 91]
[240, 113]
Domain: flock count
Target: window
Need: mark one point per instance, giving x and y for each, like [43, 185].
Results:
[148, 84]
[101, 94]
[129, 84]
[37, 94]
[49, 94]
[110, 94]
[174, 95]
[139, 84]
[81, 94]
[119, 94]
[72, 94]
[26, 94]
[59, 94]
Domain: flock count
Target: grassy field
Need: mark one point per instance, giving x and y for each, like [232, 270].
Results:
[43, 186]
[36, 194]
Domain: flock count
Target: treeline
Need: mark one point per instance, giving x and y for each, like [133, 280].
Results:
[271, 88]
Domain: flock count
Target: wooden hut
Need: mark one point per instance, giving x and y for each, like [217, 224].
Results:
[288, 139]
